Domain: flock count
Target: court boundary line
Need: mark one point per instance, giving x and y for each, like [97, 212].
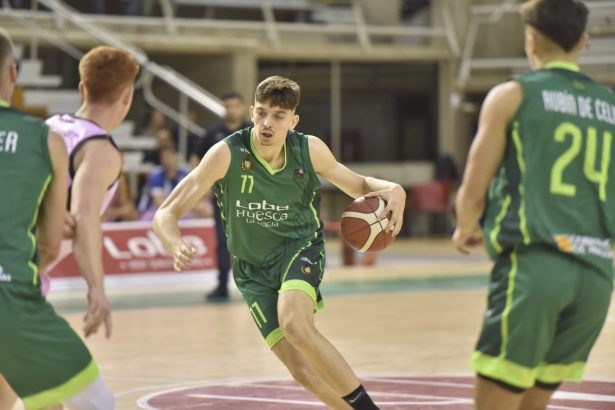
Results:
[453, 400]
[420, 382]
[568, 395]
[371, 392]
[143, 402]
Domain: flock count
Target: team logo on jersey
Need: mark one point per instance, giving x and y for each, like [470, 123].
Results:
[246, 164]
[564, 243]
[306, 269]
[305, 259]
[584, 245]
[299, 173]
[262, 213]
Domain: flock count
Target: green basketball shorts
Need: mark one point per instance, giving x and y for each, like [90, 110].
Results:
[41, 356]
[301, 269]
[545, 312]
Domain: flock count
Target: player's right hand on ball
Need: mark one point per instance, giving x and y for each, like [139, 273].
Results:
[395, 198]
[182, 256]
[98, 312]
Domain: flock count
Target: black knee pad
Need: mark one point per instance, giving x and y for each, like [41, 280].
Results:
[547, 386]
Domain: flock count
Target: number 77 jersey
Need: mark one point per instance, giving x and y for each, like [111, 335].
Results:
[556, 184]
[268, 213]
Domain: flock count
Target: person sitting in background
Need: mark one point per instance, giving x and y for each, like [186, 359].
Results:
[155, 122]
[163, 138]
[122, 207]
[161, 181]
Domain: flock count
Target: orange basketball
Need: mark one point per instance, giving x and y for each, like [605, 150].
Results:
[361, 228]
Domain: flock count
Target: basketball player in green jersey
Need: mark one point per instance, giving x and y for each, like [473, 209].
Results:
[266, 181]
[41, 357]
[545, 144]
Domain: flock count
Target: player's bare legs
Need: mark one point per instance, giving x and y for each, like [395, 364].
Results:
[303, 373]
[296, 317]
[8, 398]
[490, 396]
[7, 395]
[536, 399]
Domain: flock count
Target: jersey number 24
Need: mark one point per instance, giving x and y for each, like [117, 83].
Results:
[600, 176]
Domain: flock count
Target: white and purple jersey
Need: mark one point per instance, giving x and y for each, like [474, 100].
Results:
[76, 132]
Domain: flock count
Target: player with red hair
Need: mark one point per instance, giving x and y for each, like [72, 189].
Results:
[58, 368]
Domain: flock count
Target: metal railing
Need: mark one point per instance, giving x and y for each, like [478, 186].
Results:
[150, 71]
[492, 14]
[68, 23]
[275, 33]
[275, 30]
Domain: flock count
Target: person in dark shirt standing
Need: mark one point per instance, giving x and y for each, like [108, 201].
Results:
[234, 119]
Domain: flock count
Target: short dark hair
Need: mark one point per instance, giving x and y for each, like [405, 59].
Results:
[231, 95]
[6, 48]
[279, 92]
[562, 21]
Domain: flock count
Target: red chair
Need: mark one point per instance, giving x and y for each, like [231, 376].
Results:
[433, 198]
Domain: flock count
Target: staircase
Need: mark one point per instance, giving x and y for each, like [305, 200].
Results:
[40, 95]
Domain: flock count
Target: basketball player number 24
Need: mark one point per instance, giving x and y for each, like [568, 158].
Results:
[600, 177]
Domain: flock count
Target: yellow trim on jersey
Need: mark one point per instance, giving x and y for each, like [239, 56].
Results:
[556, 373]
[32, 237]
[525, 377]
[261, 160]
[510, 289]
[498, 225]
[274, 337]
[59, 394]
[564, 65]
[504, 370]
[220, 204]
[521, 162]
[4, 104]
[315, 212]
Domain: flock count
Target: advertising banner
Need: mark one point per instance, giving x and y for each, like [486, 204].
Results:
[133, 248]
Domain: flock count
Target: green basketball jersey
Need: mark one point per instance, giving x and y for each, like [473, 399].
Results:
[556, 183]
[25, 172]
[268, 213]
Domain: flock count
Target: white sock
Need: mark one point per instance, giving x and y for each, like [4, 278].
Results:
[96, 396]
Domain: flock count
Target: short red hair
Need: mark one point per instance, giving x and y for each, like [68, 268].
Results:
[106, 72]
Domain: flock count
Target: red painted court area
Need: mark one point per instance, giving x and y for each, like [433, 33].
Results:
[390, 393]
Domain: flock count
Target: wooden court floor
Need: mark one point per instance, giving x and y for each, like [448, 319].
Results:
[416, 313]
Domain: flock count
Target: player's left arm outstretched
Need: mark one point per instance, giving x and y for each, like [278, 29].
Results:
[356, 185]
